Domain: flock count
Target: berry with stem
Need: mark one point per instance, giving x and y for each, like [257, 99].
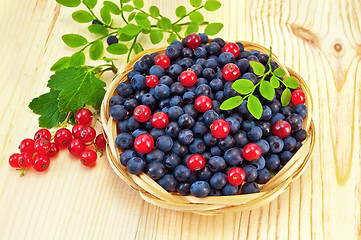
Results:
[42, 145]
[87, 134]
[236, 176]
[84, 116]
[230, 72]
[144, 143]
[142, 113]
[252, 152]
[196, 162]
[14, 160]
[88, 157]
[220, 128]
[41, 162]
[152, 81]
[63, 137]
[42, 133]
[298, 97]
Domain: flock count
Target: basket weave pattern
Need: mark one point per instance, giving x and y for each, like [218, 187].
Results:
[153, 193]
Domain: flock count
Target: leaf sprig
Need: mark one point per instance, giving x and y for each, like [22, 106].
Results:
[266, 88]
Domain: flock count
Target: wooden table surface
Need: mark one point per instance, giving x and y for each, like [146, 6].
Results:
[319, 39]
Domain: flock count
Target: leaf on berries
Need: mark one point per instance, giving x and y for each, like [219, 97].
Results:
[105, 15]
[254, 106]
[112, 7]
[46, 105]
[192, 28]
[196, 17]
[127, 8]
[117, 49]
[60, 64]
[291, 82]
[180, 11]
[279, 72]
[96, 50]
[156, 36]
[138, 3]
[213, 28]
[243, 86]
[231, 103]
[77, 86]
[130, 29]
[164, 23]
[275, 82]
[138, 48]
[258, 68]
[98, 29]
[196, 3]
[142, 20]
[286, 97]
[90, 3]
[74, 40]
[69, 3]
[82, 16]
[266, 89]
[171, 38]
[77, 59]
[154, 11]
[212, 5]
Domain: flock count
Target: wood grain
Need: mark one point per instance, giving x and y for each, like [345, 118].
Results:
[319, 39]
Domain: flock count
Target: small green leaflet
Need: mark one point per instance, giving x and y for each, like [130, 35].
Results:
[212, 5]
[131, 29]
[196, 3]
[275, 82]
[98, 29]
[156, 36]
[266, 89]
[171, 38]
[286, 97]
[154, 11]
[180, 11]
[254, 106]
[196, 17]
[231, 103]
[77, 59]
[279, 72]
[142, 21]
[105, 15]
[258, 68]
[112, 7]
[96, 50]
[131, 16]
[74, 40]
[117, 49]
[127, 8]
[243, 86]
[177, 28]
[60, 64]
[46, 105]
[78, 86]
[138, 48]
[164, 23]
[213, 28]
[82, 16]
[192, 28]
[124, 38]
[138, 3]
[291, 82]
[90, 3]
[69, 3]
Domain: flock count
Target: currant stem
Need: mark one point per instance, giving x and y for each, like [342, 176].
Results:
[131, 47]
[23, 170]
[122, 13]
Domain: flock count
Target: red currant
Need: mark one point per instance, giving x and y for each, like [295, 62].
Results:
[193, 41]
[281, 128]
[159, 120]
[298, 97]
[144, 143]
[41, 162]
[152, 81]
[14, 160]
[188, 78]
[76, 130]
[88, 157]
[162, 60]
[42, 133]
[232, 48]
[87, 134]
[230, 72]
[54, 150]
[27, 146]
[25, 160]
[196, 162]
[42, 145]
[62, 137]
[100, 141]
[142, 113]
[220, 128]
[76, 146]
[203, 104]
[252, 152]
[236, 176]
[83, 116]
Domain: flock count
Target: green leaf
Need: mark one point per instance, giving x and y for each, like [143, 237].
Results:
[266, 89]
[82, 16]
[138, 48]
[154, 11]
[291, 82]
[145, 31]
[231, 103]
[171, 38]
[258, 68]
[117, 49]
[243, 86]
[46, 105]
[60, 64]
[77, 59]
[96, 50]
[138, 3]
[212, 5]
[279, 72]
[74, 40]
[196, 3]
[156, 36]
[98, 29]
[108, 60]
[69, 3]
[78, 86]
[177, 28]
[127, 8]
[213, 28]
[192, 28]
[90, 3]
[124, 1]
[131, 29]
[112, 7]
[124, 37]
[164, 23]
[142, 21]
[286, 97]
[196, 17]
[131, 16]
[105, 15]
[181, 11]
[254, 106]
[275, 82]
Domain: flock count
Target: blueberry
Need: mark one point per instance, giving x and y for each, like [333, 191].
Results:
[211, 63]
[139, 94]
[263, 176]
[124, 89]
[176, 101]
[118, 112]
[135, 165]
[179, 149]
[250, 187]
[255, 134]
[240, 139]
[96, 22]
[209, 117]
[285, 157]
[138, 132]
[286, 111]
[199, 129]
[172, 52]
[168, 182]
[298, 146]
[260, 163]
[266, 128]
[234, 125]
[237, 116]
[174, 71]
[182, 173]
[204, 37]
[174, 113]
[186, 121]
[250, 76]
[202, 62]
[216, 85]
[215, 192]
[233, 156]
[266, 113]
[153, 55]
[172, 129]
[197, 69]
[216, 164]
[156, 132]
[253, 58]
[213, 49]
[220, 42]
[203, 90]
[185, 136]
[229, 91]
[161, 91]
[148, 59]
[189, 97]
[251, 173]
[171, 161]
[141, 67]
[300, 109]
[157, 71]
[184, 188]
[200, 189]
[130, 104]
[122, 126]
[116, 100]
[154, 155]
[191, 110]
[197, 146]
[187, 53]
[243, 109]
[216, 151]
[164, 143]
[177, 43]
[208, 73]
[133, 124]
[112, 39]
[243, 65]
[241, 46]
[177, 89]
[272, 161]
[165, 110]
[205, 174]
[300, 135]
[200, 52]
[216, 106]
[244, 54]
[149, 100]
[185, 63]
[209, 140]
[277, 117]
[230, 189]
[166, 80]
[226, 57]
[247, 125]
[220, 96]
[164, 103]
[218, 180]
[155, 170]
[295, 121]
[264, 145]
[126, 155]
[124, 141]
[226, 143]
[275, 106]
[276, 144]
[289, 143]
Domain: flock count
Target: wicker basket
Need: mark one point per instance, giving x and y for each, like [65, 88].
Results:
[153, 193]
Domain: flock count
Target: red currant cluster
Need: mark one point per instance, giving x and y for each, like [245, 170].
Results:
[36, 153]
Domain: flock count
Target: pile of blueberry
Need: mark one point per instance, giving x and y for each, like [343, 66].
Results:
[170, 125]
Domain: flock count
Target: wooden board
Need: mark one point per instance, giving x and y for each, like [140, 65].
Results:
[319, 39]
